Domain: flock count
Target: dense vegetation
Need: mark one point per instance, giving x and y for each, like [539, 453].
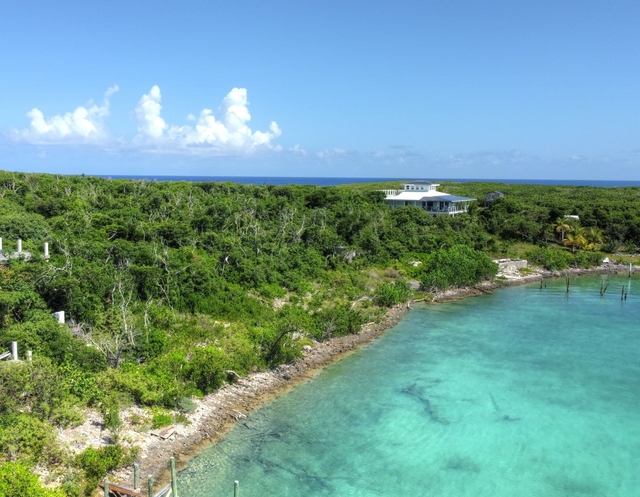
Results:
[172, 289]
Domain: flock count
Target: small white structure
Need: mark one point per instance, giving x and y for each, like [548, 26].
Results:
[572, 216]
[13, 353]
[424, 194]
[59, 316]
[20, 254]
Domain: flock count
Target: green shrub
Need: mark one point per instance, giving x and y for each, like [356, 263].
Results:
[186, 404]
[67, 414]
[390, 294]
[142, 384]
[161, 420]
[26, 439]
[24, 226]
[550, 259]
[81, 384]
[271, 291]
[14, 381]
[16, 480]
[456, 266]
[336, 321]
[207, 367]
[96, 463]
[592, 259]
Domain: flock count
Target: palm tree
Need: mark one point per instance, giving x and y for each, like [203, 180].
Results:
[576, 240]
[563, 227]
[594, 236]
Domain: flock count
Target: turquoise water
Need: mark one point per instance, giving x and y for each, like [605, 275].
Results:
[522, 392]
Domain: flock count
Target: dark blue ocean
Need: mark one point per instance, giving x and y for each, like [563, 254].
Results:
[303, 180]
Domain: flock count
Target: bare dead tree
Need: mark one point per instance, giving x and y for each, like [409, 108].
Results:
[114, 336]
[51, 271]
[122, 295]
[161, 255]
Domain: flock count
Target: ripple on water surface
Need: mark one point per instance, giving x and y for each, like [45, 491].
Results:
[522, 392]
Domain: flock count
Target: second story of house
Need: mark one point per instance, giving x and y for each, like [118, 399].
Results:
[415, 186]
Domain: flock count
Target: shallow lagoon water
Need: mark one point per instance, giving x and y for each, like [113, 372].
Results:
[520, 392]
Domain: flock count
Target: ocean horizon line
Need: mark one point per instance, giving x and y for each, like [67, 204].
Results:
[337, 180]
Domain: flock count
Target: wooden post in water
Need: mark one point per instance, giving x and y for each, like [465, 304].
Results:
[630, 270]
[106, 487]
[236, 488]
[136, 476]
[626, 292]
[568, 283]
[174, 481]
[150, 485]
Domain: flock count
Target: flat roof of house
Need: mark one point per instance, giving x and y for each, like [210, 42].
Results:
[450, 198]
[420, 182]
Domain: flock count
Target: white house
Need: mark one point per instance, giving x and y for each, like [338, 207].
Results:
[424, 194]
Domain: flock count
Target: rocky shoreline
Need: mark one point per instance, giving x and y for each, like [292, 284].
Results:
[218, 412]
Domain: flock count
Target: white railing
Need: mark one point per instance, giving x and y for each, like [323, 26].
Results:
[391, 193]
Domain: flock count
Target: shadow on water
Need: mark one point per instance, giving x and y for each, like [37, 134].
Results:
[418, 393]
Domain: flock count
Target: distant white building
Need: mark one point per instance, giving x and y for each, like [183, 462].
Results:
[424, 194]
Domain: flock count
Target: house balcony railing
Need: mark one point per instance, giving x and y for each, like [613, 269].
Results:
[447, 210]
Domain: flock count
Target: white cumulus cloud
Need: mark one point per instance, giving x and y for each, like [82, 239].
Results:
[83, 125]
[150, 125]
[226, 131]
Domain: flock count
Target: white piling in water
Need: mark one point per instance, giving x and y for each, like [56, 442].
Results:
[14, 351]
[19, 246]
[46, 250]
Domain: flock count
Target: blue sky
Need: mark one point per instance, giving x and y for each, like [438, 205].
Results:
[457, 89]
